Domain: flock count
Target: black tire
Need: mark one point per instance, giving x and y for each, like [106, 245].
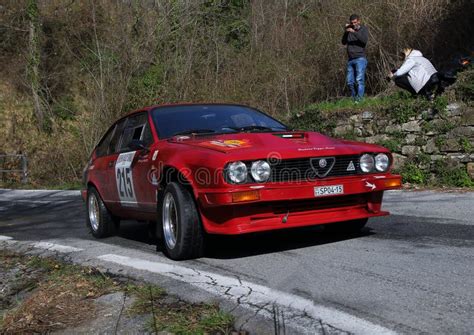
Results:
[346, 227]
[151, 227]
[189, 234]
[105, 223]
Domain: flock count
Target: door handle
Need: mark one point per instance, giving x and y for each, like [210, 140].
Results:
[111, 164]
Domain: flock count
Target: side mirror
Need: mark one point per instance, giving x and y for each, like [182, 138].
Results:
[138, 145]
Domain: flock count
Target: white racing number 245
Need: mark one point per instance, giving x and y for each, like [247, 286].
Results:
[124, 179]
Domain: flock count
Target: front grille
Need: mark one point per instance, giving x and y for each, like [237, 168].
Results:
[319, 204]
[300, 169]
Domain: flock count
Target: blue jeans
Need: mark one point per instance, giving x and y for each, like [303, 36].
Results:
[356, 74]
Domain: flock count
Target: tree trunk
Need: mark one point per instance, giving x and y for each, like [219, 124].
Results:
[34, 62]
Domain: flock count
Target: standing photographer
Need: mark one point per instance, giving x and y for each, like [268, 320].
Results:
[355, 38]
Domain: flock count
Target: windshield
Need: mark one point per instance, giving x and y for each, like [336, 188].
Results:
[205, 119]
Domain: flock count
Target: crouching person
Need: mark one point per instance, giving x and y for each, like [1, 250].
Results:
[416, 75]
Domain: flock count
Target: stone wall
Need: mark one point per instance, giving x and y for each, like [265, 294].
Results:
[429, 137]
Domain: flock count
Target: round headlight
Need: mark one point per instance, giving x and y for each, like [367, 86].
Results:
[237, 172]
[366, 163]
[382, 162]
[260, 171]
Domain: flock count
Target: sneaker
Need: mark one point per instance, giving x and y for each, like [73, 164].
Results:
[430, 96]
[358, 100]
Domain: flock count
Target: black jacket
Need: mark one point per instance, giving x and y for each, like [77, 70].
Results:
[356, 42]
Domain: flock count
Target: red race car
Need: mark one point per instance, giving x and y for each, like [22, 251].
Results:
[196, 169]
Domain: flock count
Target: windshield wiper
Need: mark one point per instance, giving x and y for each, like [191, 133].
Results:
[250, 128]
[194, 131]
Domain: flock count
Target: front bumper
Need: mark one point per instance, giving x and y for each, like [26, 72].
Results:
[282, 206]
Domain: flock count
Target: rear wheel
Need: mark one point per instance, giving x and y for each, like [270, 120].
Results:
[182, 233]
[345, 227]
[100, 221]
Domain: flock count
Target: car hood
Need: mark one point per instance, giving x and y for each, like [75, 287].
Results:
[287, 144]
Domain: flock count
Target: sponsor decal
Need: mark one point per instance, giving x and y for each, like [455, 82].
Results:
[351, 166]
[228, 144]
[316, 148]
[370, 185]
[153, 176]
[124, 179]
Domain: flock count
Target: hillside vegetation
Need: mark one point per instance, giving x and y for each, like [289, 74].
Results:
[70, 68]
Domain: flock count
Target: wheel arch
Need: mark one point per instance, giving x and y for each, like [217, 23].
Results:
[171, 173]
[91, 184]
[182, 176]
[97, 188]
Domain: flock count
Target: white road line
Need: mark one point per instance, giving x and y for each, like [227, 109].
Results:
[11, 190]
[23, 201]
[55, 247]
[5, 238]
[251, 295]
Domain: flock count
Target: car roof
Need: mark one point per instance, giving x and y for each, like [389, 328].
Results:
[148, 108]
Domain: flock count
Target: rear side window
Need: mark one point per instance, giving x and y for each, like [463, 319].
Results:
[135, 129]
[103, 146]
[114, 142]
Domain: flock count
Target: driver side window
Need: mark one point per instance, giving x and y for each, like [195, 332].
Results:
[147, 136]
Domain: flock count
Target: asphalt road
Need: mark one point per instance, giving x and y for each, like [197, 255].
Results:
[412, 272]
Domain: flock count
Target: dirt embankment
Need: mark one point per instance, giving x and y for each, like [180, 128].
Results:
[43, 295]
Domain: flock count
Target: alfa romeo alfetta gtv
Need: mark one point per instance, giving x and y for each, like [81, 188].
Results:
[197, 169]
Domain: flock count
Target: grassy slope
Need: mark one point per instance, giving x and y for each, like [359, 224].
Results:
[47, 295]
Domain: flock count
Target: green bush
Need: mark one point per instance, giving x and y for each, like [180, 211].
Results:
[466, 145]
[464, 86]
[64, 108]
[411, 173]
[447, 175]
[401, 106]
[440, 103]
[312, 120]
[145, 88]
[392, 144]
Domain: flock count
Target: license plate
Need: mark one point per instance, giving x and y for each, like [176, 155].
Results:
[322, 191]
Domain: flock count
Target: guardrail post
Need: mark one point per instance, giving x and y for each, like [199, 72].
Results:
[24, 168]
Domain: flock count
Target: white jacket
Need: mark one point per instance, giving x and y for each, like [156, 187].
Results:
[419, 70]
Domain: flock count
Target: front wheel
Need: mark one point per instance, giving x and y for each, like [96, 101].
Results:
[100, 221]
[353, 226]
[182, 231]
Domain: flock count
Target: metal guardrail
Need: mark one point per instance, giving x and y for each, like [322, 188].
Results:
[23, 170]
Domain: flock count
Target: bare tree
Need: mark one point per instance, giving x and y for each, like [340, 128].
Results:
[34, 60]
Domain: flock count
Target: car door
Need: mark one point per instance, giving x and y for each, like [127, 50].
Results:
[97, 170]
[145, 173]
[132, 169]
[111, 195]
